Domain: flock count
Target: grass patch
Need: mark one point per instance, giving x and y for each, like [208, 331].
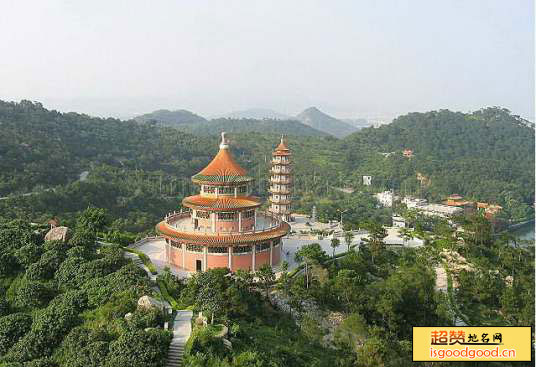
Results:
[163, 289]
[144, 259]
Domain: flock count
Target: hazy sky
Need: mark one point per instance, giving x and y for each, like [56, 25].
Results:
[349, 58]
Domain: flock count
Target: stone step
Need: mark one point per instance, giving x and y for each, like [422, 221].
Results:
[174, 361]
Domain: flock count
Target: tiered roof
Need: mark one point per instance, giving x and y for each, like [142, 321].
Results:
[223, 169]
[282, 148]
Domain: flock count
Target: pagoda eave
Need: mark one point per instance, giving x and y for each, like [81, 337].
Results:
[221, 203]
[280, 202]
[221, 180]
[222, 240]
[283, 192]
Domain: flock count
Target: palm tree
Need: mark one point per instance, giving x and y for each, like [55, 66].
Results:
[348, 238]
[375, 239]
[335, 242]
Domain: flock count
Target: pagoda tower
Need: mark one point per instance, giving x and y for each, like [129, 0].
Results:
[222, 226]
[281, 182]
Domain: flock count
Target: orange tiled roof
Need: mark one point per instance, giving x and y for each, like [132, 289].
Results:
[282, 148]
[223, 164]
[222, 169]
[223, 240]
[221, 203]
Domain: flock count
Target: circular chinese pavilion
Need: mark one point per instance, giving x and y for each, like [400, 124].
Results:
[222, 226]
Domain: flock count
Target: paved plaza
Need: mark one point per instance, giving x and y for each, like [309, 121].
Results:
[300, 236]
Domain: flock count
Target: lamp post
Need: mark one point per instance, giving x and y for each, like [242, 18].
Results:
[342, 212]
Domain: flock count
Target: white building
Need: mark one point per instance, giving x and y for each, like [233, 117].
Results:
[386, 198]
[367, 180]
[412, 202]
[399, 222]
[438, 210]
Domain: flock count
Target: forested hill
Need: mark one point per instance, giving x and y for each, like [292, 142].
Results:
[41, 148]
[487, 154]
[265, 126]
[445, 134]
[171, 118]
[140, 171]
[137, 171]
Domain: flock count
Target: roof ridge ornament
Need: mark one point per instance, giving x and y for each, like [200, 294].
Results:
[224, 144]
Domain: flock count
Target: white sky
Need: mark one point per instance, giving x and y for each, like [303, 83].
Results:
[348, 58]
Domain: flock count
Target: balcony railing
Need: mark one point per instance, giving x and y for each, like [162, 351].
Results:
[273, 223]
[280, 180]
[275, 161]
[279, 170]
[279, 191]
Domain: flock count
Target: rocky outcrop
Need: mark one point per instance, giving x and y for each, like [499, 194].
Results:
[58, 234]
[147, 303]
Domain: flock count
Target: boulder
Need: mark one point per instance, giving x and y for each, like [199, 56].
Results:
[58, 234]
[147, 303]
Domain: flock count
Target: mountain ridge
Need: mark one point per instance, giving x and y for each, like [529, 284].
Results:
[319, 120]
[170, 117]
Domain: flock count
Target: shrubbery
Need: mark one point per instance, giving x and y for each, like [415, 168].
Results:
[78, 297]
[12, 328]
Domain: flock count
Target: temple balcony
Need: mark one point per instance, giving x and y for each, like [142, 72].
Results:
[283, 170]
[183, 222]
[283, 191]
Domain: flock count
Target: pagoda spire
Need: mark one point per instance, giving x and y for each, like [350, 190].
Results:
[224, 144]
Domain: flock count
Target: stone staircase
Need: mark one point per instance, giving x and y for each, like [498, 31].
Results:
[182, 328]
[174, 359]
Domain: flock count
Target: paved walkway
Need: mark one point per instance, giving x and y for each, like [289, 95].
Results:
[182, 328]
[136, 260]
[156, 250]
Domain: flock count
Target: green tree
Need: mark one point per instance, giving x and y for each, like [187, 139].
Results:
[266, 277]
[352, 332]
[335, 242]
[139, 349]
[32, 294]
[12, 328]
[374, 240]
[348, 238]
[93, 219]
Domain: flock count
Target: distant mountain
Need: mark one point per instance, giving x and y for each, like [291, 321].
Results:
[171, 118]
[358, 123]
[257, 114]
[286, 127]
[317, 119]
